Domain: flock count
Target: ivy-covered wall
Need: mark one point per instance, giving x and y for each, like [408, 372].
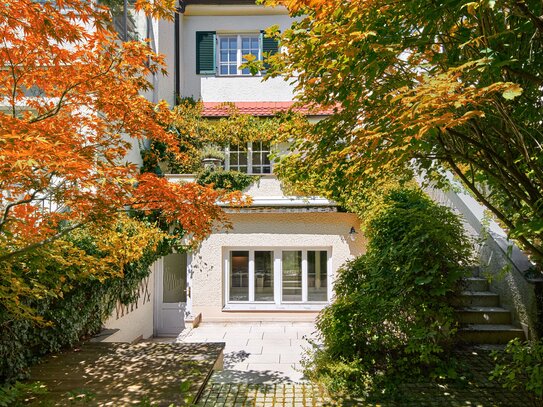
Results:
[74, 316]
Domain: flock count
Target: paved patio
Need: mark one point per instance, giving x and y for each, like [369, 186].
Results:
[120, 374]
[256, 352]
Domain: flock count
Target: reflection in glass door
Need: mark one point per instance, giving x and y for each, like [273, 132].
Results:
[292, 275]
[239, 275]
[317, 275]
[263, 276]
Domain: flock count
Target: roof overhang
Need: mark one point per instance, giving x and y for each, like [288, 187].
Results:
[228, 7]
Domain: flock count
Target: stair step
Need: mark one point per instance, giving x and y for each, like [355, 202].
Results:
[476, 284]
[479, 299]
[489, 333]
[474, 271]
[484, 315]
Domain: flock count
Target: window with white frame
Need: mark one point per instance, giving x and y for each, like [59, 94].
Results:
[277, 276]
[251, 158]
[232, 49]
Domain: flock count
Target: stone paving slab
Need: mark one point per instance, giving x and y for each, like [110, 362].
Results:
[120, 374]
[258, 352]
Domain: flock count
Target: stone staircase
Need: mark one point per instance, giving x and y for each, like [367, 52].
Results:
[482, 319]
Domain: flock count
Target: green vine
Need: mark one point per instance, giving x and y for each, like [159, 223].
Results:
[227, 180]
[194, 133]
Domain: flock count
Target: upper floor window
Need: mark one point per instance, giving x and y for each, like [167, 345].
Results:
[232, 49]
[252, 158]
[222, 54]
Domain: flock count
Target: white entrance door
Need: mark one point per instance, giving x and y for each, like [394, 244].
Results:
[171, 294]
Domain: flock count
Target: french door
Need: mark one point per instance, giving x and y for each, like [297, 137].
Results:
[277, 276]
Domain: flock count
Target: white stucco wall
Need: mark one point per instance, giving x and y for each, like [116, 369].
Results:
[166, 44]
[277, 230]
[235, 89]
[138, 321]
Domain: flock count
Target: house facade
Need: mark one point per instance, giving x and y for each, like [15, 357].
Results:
[278, 261]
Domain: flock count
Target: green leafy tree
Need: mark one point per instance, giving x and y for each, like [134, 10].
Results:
[454, 85]
[392, 319]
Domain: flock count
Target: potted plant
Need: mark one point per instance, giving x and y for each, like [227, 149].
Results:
[212, 157]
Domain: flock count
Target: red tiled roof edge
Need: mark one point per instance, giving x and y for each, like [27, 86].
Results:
[223, 109]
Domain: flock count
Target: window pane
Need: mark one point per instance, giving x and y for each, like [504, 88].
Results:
[260, 160]
[317, 275]
[233, 70]
[239, 276]
[224, 69]
[243, 158]
[245, 43]
[264, 276]
[257, 158]
[224, 43]
[174, 278]
[292, 275]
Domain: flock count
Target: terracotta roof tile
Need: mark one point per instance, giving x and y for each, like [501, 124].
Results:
[221, 109]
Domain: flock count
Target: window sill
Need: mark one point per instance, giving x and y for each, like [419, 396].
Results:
[272, 307]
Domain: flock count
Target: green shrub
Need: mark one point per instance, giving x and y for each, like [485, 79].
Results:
[392, 317]
[521, 366]
[227, 180]
[18, 394]
[79, 313]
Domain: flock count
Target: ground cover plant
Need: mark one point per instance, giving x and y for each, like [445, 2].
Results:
[392, 317]
[520, 366]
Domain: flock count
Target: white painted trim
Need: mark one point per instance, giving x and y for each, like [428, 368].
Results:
[304, 275]
[157, 295]
[266, 306]
[233, 10]
[251, 276]
[188, 305]
[277, 277]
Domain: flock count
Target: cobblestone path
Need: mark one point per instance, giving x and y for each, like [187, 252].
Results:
[263, 395]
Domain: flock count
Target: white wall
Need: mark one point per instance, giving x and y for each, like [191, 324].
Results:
[137, 322]
[235, 89]
[166, 31]
[297, 230]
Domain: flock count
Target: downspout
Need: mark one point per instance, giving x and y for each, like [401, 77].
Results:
[125, 20]
[177, 51]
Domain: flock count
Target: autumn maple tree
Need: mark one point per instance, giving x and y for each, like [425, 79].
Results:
[452, 85]
[71, 111]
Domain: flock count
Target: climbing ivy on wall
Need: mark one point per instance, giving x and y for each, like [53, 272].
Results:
[79, 307]
[193, 132]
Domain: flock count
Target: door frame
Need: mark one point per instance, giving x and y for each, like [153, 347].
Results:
[158, 270]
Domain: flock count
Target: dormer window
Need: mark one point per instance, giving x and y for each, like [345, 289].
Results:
[222, 53]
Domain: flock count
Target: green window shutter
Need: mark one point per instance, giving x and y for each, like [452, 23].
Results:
[270, 46]
[205, 52]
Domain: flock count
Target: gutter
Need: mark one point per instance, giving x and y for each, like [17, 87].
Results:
[288, 202]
